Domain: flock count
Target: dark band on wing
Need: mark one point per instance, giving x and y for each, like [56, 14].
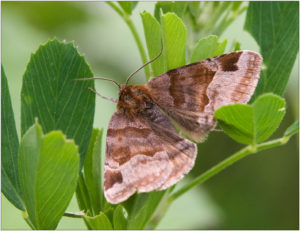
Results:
[112, 178]
[245, 85]
[188, 85]
[129, 132]
[229, 61]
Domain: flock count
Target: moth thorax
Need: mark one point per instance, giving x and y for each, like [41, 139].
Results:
[133, 99]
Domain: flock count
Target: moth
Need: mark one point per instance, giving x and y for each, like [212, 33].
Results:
[144, 151]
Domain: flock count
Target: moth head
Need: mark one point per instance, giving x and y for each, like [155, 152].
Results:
[133, 98]
[129, 94]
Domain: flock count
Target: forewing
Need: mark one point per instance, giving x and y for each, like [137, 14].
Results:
[143, 154]
[191, 94]
[235, 80]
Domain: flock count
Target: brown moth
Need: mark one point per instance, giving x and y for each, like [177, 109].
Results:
[144, 152]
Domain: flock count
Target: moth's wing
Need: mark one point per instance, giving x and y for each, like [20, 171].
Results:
[200, 88]
[235, 80]
[143, 154]
[194, 124]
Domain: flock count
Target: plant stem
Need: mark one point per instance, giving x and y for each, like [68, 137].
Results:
[272, 143]
[136, 36]
[74, 214]
[250, 149]
[213, 171]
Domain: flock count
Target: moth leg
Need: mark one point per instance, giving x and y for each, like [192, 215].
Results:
[109, 99]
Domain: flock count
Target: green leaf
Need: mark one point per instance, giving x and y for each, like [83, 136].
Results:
[275, 27]
[83, 197]
[236, 46]
[48, 167]
[152, 31]
[99, 222]
[177, 7]
[252, 124]
[162, 7]
[29, 152]
[293, 129]
[143, 209]
[120, 218]
[236, 5]
[174, 35]
[221, 48]
[128, 6]
[207, 47]
[269, 110]
[57, 174]
[10, 185]
[237, 121]
[193, 11]
[49, 93]
[92, 172]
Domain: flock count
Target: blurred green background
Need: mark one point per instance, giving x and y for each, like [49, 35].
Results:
[259, 192]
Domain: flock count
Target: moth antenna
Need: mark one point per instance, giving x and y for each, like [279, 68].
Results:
[129, 77]
[109, 99]
[98, 78]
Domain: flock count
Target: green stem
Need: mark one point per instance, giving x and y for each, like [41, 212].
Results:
[117, 9]
[227, 162]
[74, 214]
[272, 143]
[213, 171]
[136, 36]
